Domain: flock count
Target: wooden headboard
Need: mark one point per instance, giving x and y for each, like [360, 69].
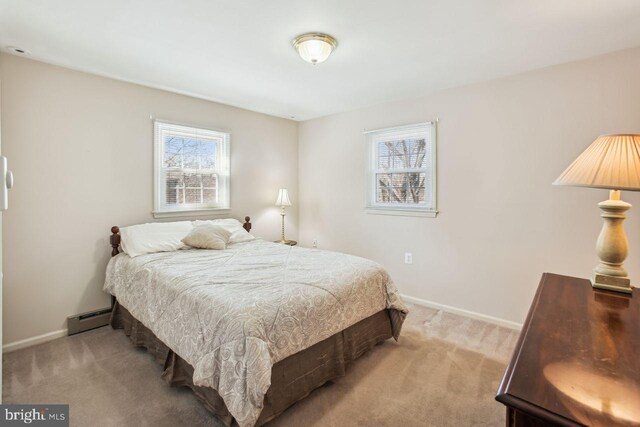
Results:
[115, 235]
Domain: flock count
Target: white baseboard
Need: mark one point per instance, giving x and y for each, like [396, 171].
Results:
[472, 314]
[28, 342]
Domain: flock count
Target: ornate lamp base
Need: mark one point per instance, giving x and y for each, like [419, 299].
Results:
[283, 240]
[612, 245]
[287, 242]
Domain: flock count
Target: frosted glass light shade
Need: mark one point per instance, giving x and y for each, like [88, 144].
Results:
[611, 162]
[315, 47]
[283, 198]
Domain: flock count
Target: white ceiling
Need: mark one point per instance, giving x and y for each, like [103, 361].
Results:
[239, 52]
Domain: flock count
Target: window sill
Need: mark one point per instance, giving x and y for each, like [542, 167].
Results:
[190, 213]
[402, 212]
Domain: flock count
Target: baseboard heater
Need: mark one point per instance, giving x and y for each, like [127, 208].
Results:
[87, 321]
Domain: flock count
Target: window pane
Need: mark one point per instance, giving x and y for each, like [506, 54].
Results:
[190, 188]
[172, 151]
[402, 154]
[191, 152]
[384, 162]
[210, 181]
[420, 151]
[385, 148]
[399, 147]
[409, 145]
[172, 194]
[399, 161]
[383, 187]
[192, 180]
[193, 195]
[210, 195]
[402, 188]
[398, 180]
[174, 183]
[208, 154]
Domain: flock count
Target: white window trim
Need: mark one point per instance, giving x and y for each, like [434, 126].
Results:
[224, 175]
[420, 212]
[371, 138]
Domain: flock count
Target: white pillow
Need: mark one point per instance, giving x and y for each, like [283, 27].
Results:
[238, 233]
[153, 237]
[208, 236]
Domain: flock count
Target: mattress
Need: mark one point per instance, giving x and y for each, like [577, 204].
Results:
[233, 314]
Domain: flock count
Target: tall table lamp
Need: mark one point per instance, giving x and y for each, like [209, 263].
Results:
[283, 201]
[611, 162]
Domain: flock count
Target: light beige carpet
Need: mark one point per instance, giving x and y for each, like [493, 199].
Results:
[444, 372]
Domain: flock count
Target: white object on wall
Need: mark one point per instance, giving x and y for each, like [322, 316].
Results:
[6, 185]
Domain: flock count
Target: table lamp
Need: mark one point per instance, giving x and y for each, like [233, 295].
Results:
[283, 201]
[611, 162]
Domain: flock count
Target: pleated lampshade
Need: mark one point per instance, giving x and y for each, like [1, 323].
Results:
[283, 198]
[611, 162]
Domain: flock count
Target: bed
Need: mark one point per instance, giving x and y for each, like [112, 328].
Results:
[256, 327]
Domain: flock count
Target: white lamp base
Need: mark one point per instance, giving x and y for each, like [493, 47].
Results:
[612, 245]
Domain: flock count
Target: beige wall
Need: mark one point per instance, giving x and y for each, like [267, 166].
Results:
[500, 145]
[80, 147]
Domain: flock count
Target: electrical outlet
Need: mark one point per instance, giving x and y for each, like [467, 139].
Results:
[315, 243]
[408, 258]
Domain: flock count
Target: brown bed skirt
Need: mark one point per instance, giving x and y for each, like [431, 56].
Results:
[292, 378]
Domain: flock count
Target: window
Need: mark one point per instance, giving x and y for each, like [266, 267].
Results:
[191, 169]
[402, 175]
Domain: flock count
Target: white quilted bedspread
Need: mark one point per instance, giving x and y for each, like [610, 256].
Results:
[232, 314]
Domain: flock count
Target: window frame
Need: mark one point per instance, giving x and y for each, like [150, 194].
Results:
[222, 170]
[373, 138]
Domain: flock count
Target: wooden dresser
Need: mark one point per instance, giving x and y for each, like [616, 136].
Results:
[577, 361]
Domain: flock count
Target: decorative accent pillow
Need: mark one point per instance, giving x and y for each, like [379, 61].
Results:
[238, 233]
[153, 237]
[208, 236]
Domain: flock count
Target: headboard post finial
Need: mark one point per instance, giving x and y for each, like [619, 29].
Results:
[115, 240]
[247, 224]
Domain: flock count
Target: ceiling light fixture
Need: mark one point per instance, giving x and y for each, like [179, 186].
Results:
[315, 47]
